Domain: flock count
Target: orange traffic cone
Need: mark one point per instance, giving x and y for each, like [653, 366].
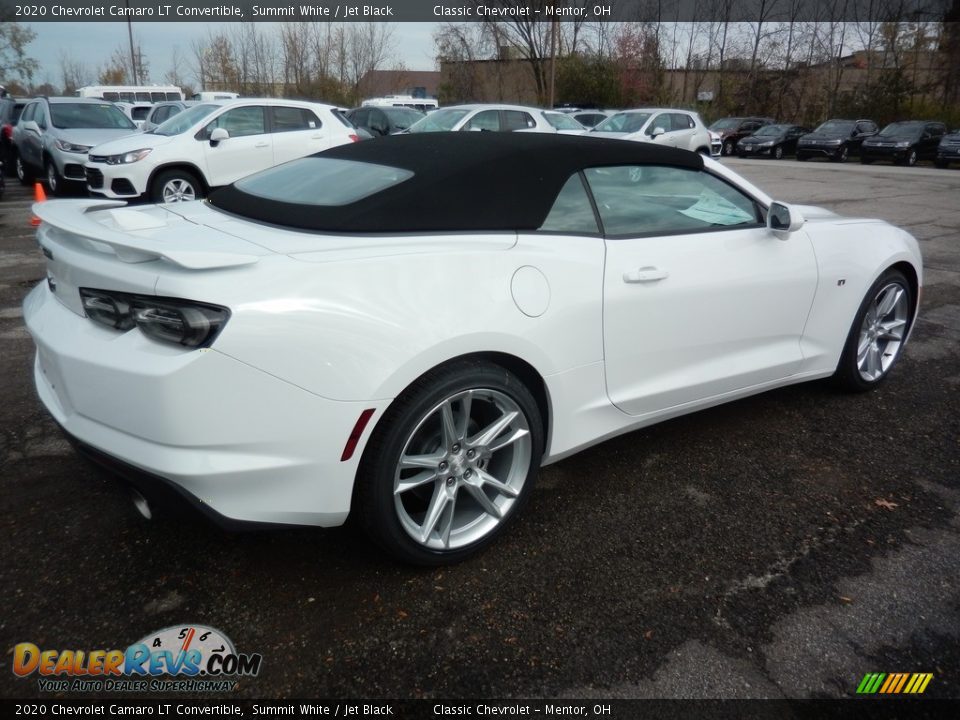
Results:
[39, 196]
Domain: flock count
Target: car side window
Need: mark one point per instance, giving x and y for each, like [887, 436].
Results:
[484, 120]
[571, 211]
[27, 114]
[239, 122]
[660, 121]
[291, 119]
[681, 121]
[639, 200]
[517, 120]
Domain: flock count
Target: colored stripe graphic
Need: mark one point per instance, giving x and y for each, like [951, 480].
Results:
[894, 683]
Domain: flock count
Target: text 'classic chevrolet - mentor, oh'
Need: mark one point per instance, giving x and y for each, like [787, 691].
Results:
[409, 327]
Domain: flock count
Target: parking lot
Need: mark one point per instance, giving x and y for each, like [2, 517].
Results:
[783, 545]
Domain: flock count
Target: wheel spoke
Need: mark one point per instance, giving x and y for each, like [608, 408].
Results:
[450, 436]
[507, 440]
[421, 461]
[873, 360]
[892, 329]
[889, 301]
[446, 524]
[500, 487]
[486, 503]
[437, 505]
[466, 403]
[415, 481]
[863, 347]
[490, 433]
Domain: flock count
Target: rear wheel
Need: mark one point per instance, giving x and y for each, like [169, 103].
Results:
[878, 332]
[23, 171]
[173, 186]
[450, 464]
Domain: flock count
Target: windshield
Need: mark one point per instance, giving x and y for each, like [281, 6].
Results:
[726, 124]
[402, 118]
[562, 122]
[438, 121]
[623, 123]
[902, 129]
[104, 116]
[836, 127]
[322, 181]
[184, 121]
[772, 130]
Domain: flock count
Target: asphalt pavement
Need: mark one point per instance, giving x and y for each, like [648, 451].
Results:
[779, 546]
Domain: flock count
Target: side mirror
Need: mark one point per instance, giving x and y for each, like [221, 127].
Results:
[783, 220]
[218, 135]
[657, 131]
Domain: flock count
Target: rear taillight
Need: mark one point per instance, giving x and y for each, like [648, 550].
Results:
[354, 138]
[7, 131]
[171, 320]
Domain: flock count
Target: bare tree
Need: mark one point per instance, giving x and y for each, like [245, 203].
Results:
[74, 73]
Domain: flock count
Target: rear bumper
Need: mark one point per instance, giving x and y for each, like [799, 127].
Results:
[233, 440]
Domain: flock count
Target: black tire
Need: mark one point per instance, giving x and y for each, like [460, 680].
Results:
[844, 154]
[52, 178]
[728, 148]
[22, 170]
[778, 152]
[412, 420]
[911, 159]
[848, 375]
[161, 189]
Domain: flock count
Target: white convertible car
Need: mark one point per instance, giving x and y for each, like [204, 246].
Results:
[409, 327]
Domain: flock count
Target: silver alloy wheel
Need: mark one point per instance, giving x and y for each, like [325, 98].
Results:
[728, 148]
[882, 332]
[778, 152]
[462, 469]
[21, 170]
[844, 154]
[912, 158]
[178, 190]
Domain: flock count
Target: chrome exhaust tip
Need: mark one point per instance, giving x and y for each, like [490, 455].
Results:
[141, 504]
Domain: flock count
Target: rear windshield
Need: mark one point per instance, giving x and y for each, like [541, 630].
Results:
[104, 116]
[726, 124]
[562, 122]
[322, 181]
[772, 130]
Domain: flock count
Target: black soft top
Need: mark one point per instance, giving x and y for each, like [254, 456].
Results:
[462, 181]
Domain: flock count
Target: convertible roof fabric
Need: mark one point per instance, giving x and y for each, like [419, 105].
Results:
[463, 181]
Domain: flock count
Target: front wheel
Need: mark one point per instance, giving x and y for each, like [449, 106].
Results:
[728, 148]
[173, 186]
[911, 159]
[450, 464]
[778, 152]
[54, 181]
[878, 332]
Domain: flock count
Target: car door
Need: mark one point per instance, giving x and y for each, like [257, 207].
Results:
[517, 121]
[29, 136]
[684, 128]
[661, 122]
[932, 134]
[296, 132]
[484, 120]
[700, 298]
[248, 149]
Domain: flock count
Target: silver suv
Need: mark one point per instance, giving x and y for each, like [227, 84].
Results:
[54, 134]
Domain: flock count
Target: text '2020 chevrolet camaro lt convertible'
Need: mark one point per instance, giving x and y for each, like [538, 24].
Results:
[408, 328]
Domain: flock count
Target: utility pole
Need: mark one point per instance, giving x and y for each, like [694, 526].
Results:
[133, 59]
[553, 59]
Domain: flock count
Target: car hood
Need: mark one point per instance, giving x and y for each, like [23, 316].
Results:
[761, 138]
[824, 136]
[93, 136]
[128, 143]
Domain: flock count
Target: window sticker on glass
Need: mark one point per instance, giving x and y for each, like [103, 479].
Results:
[312, 124]
[714, 209]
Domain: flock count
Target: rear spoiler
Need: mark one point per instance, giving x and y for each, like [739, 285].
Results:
[71, 216]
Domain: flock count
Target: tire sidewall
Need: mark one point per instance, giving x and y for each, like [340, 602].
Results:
[375, 477]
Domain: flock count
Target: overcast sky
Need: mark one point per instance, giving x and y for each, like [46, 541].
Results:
[93, 43]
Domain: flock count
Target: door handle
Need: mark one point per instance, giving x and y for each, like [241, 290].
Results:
[316, 137]
[648, 273]
[262, 144]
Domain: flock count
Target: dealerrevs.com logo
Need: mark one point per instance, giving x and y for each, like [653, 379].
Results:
[185, 658]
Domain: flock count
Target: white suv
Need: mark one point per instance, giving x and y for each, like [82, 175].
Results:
[212, 144]
[665, 126]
